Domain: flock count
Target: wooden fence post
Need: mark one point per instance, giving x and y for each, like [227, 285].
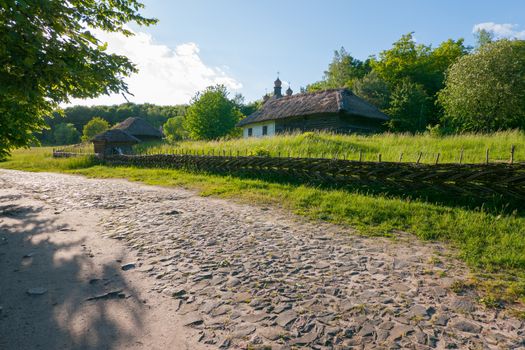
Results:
[379, 157]
[461, 156]
[360, 155]
[419, 157]
[437, 158]
[487, 156]
[512, 154]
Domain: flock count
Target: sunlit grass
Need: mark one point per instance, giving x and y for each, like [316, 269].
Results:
[392, 147]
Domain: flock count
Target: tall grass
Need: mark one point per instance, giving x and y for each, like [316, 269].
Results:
[389, 145]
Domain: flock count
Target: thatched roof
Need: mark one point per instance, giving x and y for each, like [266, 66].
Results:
[115, 136]
[321, 102]
[138, 127]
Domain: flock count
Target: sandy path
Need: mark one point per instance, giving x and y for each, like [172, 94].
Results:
[220, 274]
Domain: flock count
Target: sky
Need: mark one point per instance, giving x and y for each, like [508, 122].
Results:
[243, 44]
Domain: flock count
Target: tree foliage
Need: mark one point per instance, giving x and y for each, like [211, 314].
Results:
[343, 71]
[94, 127]
[65, 134]
[174, 129]
[49, 55]
[407, 67]
[212, 114]
[373, 89]
[483, 37]
[408, 108]
[81, 115]
[485, 91]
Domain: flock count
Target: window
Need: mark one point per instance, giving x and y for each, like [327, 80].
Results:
[250, 131]
[265, 130]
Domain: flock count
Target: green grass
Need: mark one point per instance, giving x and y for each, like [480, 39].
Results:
[488, 241]
[389, 145]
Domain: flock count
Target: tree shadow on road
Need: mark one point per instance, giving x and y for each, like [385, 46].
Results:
[31, 256]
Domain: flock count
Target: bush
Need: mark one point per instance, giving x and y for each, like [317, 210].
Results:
[174, 129]
[485, 91]
[94, 127]
[212, 114]
[65, 134]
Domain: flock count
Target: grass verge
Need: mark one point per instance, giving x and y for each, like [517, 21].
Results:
[391, 146]
[493, 243]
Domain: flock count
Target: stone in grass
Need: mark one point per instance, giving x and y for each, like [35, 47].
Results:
[271, 333]
[128, 266]
[441, 320]
[193, 319]
[178, 293]
[306, 338]
[36, 291]
[286, 318]
[418, 311]
[400, 331]
[466, 326]
[243, 330]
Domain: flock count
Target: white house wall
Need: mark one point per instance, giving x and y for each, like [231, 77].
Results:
[258, 128]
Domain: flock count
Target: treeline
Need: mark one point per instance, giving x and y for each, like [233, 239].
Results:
[445, 89]
[68, 128]
[449, 88]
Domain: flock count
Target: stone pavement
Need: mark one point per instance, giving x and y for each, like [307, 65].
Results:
[250, 277]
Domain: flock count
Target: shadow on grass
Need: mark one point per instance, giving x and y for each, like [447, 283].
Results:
[450, 196]
[32, 256]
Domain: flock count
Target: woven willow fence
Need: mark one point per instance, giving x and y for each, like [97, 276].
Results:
[477, 179]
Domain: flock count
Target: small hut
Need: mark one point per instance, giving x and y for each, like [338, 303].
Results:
[139, 128]
[114, 141]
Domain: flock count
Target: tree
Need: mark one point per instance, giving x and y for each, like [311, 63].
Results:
[417, 62]
[485, 91]
[94, 127]
[420, 64]
[343, 71]
[483, 37]
[408, 107]
[174, 129]
[49, 55]
[373, 89]
[212, 114]
[65, 134]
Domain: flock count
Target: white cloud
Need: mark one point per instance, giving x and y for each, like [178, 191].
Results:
[504, 30]
[166, 76]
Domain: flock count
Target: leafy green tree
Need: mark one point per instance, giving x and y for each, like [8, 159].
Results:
[408, 107]
[65, 134]
[373, 89]
[483, 37]
[49, 55]
[343, 71]
[212, 114]
[417, 62]
[94, 127]
[174, 129]
[485, 91]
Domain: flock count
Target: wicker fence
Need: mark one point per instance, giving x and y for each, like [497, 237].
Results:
[479, 179]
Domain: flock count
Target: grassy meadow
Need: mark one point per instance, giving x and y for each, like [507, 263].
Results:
[389, 145]
[491, 241]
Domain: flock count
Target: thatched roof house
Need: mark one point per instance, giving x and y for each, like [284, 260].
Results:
[139, 128]
[114, 141]
[336, 110]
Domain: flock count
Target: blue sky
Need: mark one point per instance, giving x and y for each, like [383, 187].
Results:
[244, 43]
